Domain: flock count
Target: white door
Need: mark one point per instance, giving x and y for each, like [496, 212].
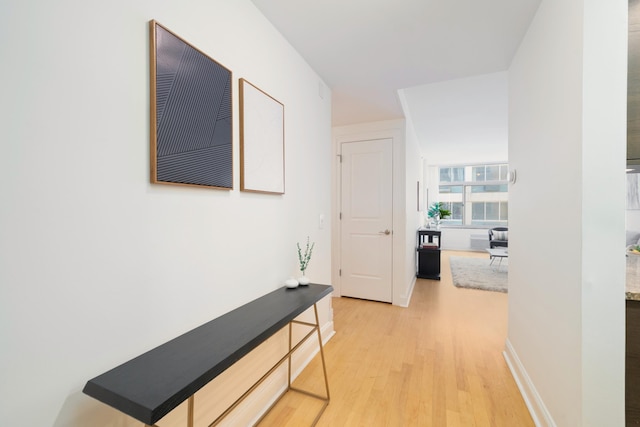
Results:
[366, 210]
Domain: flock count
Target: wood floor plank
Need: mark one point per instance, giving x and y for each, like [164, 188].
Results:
[438, 362]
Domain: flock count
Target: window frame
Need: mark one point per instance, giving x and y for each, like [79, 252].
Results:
[466, 198]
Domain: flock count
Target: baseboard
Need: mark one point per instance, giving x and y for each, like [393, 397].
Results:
[264, 397]
[310, 349]
[537, 409]
[406, 299]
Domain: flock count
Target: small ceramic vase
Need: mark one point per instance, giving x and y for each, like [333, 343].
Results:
[304, 280]
[291, 283]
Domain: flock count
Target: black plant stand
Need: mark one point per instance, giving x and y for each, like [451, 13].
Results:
[428, 254]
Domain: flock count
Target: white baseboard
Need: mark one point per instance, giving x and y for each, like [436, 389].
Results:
[310, 349]
[406, 299]
[537, 409]
[263, 398]
[214, 398]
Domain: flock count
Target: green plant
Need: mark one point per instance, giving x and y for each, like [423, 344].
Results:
[306, 257]
[437, 211]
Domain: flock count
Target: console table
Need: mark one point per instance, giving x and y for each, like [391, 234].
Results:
[151, 385]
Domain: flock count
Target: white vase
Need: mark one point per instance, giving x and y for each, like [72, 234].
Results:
[304, 280]
[291, 283]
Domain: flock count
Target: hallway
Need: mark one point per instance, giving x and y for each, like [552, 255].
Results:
[438, 362]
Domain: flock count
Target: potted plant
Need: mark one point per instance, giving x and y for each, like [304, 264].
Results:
[437, 213]
[304, 260]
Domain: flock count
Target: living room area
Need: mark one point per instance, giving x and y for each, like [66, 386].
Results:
[466, 173]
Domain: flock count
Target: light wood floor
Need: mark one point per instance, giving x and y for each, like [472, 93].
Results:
[438, 362]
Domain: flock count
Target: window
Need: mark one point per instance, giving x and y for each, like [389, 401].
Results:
[476, 195]
[452, 174]
[456, 209]
[487, 213]
[489, 173]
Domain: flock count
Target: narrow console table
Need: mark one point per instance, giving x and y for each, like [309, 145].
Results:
[149, 386]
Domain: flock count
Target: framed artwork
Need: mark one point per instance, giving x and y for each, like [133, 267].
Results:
[191, 120]
[261, 141]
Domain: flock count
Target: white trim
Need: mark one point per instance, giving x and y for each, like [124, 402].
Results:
[406, 299]
[262, 398]
[537, 409]
[308, 350]
[395, 130]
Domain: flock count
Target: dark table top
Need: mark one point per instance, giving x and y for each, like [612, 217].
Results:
[152, 384]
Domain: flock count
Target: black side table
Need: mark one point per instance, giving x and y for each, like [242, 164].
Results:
[428, 254]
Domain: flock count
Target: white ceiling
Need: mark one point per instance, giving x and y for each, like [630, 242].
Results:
[367, 50]
[460, 121]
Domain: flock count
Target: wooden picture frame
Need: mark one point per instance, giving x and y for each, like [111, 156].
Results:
[191, 114]
[261, 141]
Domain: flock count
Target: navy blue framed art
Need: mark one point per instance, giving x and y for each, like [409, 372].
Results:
[191, 114]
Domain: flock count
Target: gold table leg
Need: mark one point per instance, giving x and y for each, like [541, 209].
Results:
[292, 348]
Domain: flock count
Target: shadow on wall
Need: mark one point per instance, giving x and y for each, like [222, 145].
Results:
[80, 410]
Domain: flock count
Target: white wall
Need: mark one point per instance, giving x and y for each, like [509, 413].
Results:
[567, 140]
[415, 194]
[459, 239]
[96, 264]
[414, 217]
[633, 220]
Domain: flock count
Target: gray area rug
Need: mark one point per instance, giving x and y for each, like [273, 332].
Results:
[476, 273]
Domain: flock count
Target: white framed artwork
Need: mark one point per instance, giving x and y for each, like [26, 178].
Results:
[261, 141]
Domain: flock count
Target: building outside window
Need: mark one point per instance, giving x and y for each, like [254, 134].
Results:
[476, 195]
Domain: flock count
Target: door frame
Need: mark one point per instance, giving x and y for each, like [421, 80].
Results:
[378, 286]
[393, 130]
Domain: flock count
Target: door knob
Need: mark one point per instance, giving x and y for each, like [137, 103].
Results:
[386, 232]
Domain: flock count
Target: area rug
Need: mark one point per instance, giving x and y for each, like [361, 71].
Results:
[476, 273]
